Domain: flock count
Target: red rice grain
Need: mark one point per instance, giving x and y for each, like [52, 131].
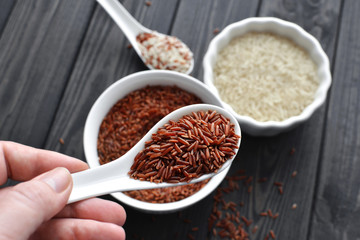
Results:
[229, 226]
[187, 220]
[294, 173]
[262, 180]
[292, 151]
[130, 119]
[249, 180]
[281, 190]
[246, 221]
[164, 52]
[272, 234]
[191, 237]
[279, 184]
[193, 161]
[134, 115]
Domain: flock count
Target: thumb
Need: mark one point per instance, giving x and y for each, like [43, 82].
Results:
[27, 205]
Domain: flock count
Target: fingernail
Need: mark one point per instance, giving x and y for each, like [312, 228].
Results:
[58, 179]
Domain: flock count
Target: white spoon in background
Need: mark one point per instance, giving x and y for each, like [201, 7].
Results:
[131, 27]
[113, 176]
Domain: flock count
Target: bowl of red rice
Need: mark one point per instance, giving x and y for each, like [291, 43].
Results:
[125, 111]
[270, 73]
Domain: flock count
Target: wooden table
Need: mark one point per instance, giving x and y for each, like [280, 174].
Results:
[56, 57]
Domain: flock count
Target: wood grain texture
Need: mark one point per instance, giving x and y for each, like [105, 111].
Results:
[6, 7]
[37, 49]
[317, 17]
[337, 206]
[196, 22]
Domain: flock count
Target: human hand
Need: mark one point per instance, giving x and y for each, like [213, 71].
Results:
[36, 208]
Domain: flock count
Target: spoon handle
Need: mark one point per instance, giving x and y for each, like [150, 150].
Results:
[106, 179]
[85, 187]
[100, 181]
[129, 25]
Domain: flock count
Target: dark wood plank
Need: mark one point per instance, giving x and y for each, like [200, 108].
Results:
[316, 17]
[196, 22]
[37, 50]
[271, 158]
[336, 211]
[6, 7]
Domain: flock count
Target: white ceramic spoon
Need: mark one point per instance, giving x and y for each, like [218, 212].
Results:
[130, 26]
[113, 176]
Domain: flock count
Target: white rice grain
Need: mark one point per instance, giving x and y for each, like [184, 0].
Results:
[265, 76]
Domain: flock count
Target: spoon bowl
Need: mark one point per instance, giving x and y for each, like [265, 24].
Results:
[113, 177]
[132, 28]
[120, 89]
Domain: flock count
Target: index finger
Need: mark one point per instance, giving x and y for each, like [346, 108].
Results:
[21, 163]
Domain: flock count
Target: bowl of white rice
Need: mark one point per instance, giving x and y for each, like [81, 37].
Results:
[270, 73]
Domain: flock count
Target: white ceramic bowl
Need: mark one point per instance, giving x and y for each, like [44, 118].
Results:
[117, 91]
[285, 29]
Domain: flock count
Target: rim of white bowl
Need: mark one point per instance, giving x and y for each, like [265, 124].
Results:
[94, 120]
[280, 27]
[178, 205]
